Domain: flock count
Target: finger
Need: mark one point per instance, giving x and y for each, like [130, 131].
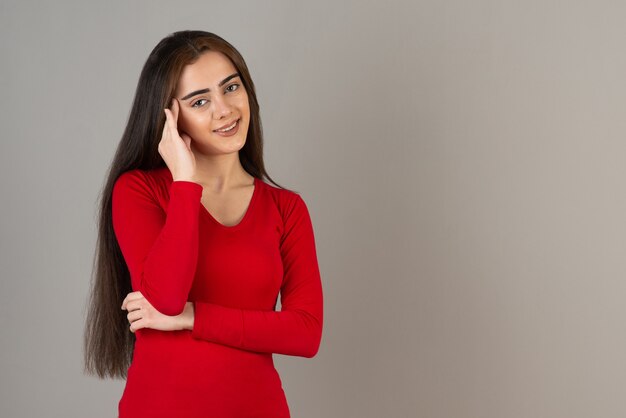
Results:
[168, 116]
[134, 316]
[175, 109]
[125, 301]
[186, 138]
[136, 325]
[131, 297]
[175, 114]
[165, 130]
[171, 123]
[133, 305]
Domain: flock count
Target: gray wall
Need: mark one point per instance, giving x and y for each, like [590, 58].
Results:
[463, 163]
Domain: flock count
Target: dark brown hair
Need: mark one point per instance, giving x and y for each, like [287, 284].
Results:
[108, 341]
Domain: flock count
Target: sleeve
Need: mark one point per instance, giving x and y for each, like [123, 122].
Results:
[296, 329]
[160, 250]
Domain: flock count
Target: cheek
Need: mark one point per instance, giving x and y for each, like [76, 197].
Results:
[243, 103]
[194, 122]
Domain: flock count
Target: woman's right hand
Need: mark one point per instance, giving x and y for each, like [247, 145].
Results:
[175, 148]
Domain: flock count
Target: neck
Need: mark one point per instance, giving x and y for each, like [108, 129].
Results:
[221, 172]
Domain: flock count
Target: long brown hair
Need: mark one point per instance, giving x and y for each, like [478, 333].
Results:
[108, 341]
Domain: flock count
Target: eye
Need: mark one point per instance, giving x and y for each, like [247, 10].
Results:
[232, 85]
[200, 100]
[196, 102]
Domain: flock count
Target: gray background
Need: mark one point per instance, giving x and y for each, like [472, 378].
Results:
[463, 163]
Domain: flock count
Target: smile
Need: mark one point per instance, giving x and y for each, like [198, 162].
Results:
[228, 128]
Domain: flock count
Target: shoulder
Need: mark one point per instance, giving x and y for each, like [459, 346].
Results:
[145, 176]
[285, 199]
[139, 182]
[291, 205]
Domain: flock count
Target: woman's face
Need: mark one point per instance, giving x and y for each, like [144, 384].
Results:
[211, 95]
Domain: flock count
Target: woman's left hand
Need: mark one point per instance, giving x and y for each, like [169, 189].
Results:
[141, 314]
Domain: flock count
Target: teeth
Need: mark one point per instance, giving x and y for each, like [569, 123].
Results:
[227, 129]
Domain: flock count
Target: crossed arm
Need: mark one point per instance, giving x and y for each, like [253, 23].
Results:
[161, 252]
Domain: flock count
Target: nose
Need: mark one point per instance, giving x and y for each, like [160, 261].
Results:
[221, 108]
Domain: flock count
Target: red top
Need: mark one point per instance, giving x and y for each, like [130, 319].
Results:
[176, 251]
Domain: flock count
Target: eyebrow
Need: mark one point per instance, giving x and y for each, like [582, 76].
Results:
[195, 93]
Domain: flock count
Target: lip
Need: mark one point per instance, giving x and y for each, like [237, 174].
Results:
[227, 125]
[230, 133]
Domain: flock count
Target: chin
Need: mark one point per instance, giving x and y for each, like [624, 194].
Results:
[227, 148]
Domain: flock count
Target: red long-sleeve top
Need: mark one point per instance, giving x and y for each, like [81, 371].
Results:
[176, 251]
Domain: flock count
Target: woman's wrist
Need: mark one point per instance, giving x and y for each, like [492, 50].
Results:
[187, 316]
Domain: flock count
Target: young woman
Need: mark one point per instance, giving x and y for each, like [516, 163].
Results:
[194, 247]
